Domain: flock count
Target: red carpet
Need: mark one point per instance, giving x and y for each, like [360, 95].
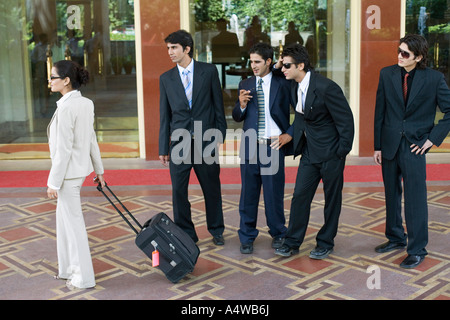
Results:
[17, 179]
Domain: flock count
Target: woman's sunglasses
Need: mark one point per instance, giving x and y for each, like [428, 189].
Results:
[405, 54]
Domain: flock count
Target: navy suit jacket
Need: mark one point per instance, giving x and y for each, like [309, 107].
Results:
[207, 104]
[279, 105]
[327, 122]
[415, 121]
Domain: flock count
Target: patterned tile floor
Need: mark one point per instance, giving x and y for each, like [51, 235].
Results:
[353, 272]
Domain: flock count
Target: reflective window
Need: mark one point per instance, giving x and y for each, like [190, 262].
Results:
[98, 34]
[225, 30]
[431, 18]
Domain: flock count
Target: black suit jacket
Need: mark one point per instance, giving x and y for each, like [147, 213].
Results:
[207, 104]
[279, 104]
[415, 121]
[327, 124]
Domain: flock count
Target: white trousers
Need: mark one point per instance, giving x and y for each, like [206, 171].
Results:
[74, 256]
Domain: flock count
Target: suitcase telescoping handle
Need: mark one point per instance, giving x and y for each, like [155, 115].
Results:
[99, 188]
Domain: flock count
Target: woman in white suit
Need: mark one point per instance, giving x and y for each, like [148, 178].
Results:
[75, 154]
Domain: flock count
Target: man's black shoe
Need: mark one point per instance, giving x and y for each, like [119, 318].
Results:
[389, 246]
[412, 261]
[320, 253]
[286, 251]
[277, 242]
[246, 248]
[219, 240]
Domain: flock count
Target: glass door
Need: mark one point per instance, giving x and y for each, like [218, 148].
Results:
[97, 34]
[322, 26]
[224, 31]
[431, 20]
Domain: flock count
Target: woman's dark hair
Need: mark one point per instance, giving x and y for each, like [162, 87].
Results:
[182, 38]
[77, 74]
[419, 46]
[263, 49]
[299, 54]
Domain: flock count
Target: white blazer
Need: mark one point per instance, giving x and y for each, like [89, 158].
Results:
[73, 145]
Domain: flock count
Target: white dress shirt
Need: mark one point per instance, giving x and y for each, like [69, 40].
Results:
[301, 92]
[190, 68]
[271, 129]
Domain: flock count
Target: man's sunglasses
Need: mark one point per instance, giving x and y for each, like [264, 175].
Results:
[288, 65]
[405, 54]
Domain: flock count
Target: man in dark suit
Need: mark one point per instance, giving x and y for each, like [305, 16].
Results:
[323, 134]
[405, 110]
[263, 105]
[192, 124]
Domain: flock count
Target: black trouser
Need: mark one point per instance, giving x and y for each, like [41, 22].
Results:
[208, 177]
[412, 168]
[331, 172]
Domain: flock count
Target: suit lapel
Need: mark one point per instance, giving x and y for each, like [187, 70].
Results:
[54, 117]
[418, 83]
[294, 87]
[50, 123]
[251, 86]
[273, 91]
[311, 93]
[178, 85]
[397, 82]
[198, 81]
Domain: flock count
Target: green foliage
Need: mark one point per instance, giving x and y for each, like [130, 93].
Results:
[121, 37]
[440, 28]
[274, 14]
[121, 13]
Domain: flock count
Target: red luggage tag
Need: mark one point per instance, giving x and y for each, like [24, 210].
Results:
[155, 258]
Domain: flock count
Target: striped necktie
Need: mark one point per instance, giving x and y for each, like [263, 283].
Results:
[187, 86]
[405, 86]
[261, 111]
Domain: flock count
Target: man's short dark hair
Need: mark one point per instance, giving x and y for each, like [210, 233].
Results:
[299, 54]
[183, 38]
[419, 46]
[263, 49]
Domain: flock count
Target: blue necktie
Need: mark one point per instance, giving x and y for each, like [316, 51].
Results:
[187, 86]
[261, 112]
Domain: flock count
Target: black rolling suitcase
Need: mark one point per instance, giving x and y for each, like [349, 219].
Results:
[177, 252]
